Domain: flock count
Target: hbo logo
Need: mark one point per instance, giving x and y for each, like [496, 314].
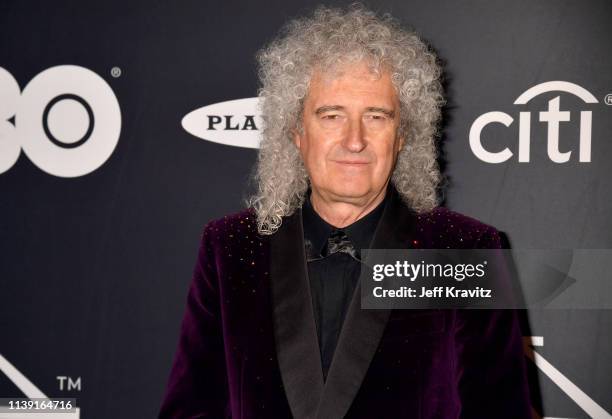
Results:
[67, 121]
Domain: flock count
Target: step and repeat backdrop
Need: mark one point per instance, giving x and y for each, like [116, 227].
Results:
[125, 127]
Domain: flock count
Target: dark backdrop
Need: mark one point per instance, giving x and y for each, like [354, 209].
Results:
[94, 268]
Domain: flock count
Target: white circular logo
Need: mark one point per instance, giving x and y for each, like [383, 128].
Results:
[67, 121]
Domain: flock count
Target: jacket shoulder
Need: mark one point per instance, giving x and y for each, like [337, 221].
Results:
[444, 228]
[231, 226]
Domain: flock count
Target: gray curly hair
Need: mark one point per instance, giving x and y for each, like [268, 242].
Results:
[328, 39]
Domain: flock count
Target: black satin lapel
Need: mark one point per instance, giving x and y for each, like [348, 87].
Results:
[294, 327]
[362, 328]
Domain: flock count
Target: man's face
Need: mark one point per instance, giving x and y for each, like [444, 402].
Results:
[349, 143]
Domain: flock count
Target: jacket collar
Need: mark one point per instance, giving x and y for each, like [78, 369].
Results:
[294, 326]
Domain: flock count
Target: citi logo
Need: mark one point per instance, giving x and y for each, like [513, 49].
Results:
[66, 120]
[234, 122]
[553, 117]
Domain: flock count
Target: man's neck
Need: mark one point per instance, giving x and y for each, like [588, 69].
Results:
[340, 213]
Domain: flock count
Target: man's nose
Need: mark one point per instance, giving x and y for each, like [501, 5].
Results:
[354, 140]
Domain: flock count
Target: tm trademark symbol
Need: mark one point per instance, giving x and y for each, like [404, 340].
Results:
[116, 72]
[68, 383]
[608, 99]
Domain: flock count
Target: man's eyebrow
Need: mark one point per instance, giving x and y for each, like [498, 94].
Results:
[389, 112]
[328, 108]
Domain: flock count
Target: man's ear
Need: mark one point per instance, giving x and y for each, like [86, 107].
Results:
[297, 138]
[402, 140]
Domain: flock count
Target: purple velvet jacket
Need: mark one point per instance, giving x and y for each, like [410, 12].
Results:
[248, 344]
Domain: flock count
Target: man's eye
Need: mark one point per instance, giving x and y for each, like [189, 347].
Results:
[331, 116]
[376, 117]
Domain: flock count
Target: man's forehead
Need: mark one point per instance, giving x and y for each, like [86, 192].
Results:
[360, 69]
[356, 81]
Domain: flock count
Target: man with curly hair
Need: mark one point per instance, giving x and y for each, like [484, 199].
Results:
[273, 326]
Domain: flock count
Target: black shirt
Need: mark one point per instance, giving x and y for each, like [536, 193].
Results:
[333, 278]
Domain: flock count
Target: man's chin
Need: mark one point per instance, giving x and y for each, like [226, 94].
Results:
[352, 194]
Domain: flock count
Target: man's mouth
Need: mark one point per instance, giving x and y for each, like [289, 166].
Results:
[352, 162]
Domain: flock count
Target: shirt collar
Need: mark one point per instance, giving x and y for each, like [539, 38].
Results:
[360, 233]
